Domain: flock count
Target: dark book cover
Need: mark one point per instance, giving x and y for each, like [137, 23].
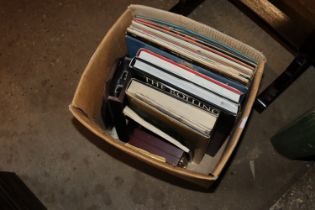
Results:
[221, 131]
[114, 102]
[146, 140]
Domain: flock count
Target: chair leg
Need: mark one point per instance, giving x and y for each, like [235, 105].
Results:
[280, 84]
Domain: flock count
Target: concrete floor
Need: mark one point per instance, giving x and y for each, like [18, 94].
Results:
[45, 45]
[300, 195]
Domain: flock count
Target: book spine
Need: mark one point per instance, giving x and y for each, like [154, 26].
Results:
[176, 93]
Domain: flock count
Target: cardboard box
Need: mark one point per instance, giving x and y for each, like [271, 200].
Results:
[87, 101]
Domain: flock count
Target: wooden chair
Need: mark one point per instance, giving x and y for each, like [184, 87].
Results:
[291, 22]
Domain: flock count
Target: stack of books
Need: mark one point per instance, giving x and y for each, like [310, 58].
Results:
[177, 94]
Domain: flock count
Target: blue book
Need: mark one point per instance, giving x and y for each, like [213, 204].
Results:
[134, 44]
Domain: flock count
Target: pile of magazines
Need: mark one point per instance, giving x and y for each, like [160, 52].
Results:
[177, 94]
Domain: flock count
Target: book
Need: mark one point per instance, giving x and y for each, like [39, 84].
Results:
[134, 44]
[187, 50]
[121, 77]
[221, 132]
[154, 146]
[188, 124]
[195, 118]
[191, 75]
[128, 112]
[200, 47]
[204, 39]
[145, 152]
[105, 113]
[116, 106]
[177, 93]
[113, 102]
[159, 77]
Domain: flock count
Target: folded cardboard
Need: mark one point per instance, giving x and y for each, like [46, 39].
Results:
[87, 101]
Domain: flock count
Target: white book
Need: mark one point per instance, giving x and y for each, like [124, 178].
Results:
[195, 118]
[190, 75]
[134, 116]
[186, 86]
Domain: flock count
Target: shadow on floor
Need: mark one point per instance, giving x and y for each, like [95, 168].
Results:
[150, 170]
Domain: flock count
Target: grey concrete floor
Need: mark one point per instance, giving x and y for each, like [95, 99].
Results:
[300, 195]
[44, 47]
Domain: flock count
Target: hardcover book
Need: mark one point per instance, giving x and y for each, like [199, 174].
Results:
[147, 72]
[200, 47]
[113, 103]
[204, 39]
[134, 44]
[188, 124]
[188, 74]
[151, 143]
[128, 112]
[197, 42]
[188, 50]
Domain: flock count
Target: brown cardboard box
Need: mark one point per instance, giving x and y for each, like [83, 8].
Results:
[86, 104]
